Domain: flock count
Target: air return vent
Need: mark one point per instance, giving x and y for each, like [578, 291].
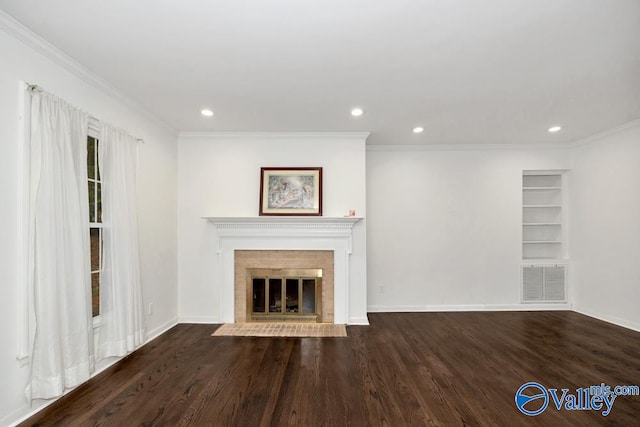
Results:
[544, 283]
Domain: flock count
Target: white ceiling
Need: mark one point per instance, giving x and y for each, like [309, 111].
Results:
[468, 71]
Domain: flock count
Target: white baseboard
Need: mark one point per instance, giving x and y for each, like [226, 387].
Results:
[358, 321]
[608, 318]
[468, 307]
[200, 319]
[156, 332]
[21, 414]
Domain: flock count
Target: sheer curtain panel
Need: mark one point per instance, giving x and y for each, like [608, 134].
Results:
[59, 277]
[121, 308]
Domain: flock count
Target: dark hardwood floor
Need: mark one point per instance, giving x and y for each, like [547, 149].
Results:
[404, 369]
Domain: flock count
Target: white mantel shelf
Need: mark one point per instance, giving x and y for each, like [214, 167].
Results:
[292, 226]
[244, 221]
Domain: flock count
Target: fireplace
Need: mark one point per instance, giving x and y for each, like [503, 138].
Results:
[246, 244]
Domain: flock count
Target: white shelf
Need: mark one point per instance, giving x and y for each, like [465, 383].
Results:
[542, 212]
[551, 179]
[538, 261]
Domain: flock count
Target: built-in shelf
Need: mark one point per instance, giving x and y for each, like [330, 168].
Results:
[542, 203]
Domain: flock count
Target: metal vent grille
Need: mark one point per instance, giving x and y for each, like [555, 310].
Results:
[532, 283]
[544, 283]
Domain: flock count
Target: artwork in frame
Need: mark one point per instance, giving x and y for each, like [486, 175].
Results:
[291, 191]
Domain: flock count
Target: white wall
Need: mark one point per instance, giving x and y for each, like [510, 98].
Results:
[605, 227]
[219, 175]
[158, 164]
[445, 226]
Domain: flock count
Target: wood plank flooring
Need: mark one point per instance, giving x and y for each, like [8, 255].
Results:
[404, 369]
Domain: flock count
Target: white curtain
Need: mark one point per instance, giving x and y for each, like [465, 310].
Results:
[121, 307]
[62, 353]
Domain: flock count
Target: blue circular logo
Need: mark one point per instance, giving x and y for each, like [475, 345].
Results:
[532, 392]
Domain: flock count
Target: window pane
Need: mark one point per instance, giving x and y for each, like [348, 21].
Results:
[95, 294]
[97, 162]
[95, 249]
[275, 295]
[91, 169]
[99, 202]
[92, 198]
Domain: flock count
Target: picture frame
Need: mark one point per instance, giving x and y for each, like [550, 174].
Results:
[291, 191]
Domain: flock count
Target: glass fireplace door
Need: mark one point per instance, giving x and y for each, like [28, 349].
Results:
[281, 297]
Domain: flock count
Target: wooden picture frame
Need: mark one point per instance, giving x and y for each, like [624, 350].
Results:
[291, 191]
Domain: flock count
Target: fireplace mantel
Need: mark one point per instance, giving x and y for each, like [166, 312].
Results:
[285, 233]
[312, 222]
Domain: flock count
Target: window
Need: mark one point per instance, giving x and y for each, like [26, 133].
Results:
[95, 221]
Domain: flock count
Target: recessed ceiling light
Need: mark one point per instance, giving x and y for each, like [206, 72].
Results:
[554, 128]
[418, 129]
[206, 112]
[356, 112]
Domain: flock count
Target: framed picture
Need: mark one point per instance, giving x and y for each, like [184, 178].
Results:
[291, 191]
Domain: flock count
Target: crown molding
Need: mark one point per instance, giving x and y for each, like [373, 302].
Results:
[470, 147]
[27, 37]
[510, 147]
[609, 132]
[185, 135]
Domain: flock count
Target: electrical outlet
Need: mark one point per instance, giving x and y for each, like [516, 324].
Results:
[150, 311]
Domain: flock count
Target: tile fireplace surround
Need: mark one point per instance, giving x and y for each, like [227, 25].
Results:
[273, 234]
[299, 260]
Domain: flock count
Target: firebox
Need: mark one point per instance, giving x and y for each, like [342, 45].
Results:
[280, 295]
